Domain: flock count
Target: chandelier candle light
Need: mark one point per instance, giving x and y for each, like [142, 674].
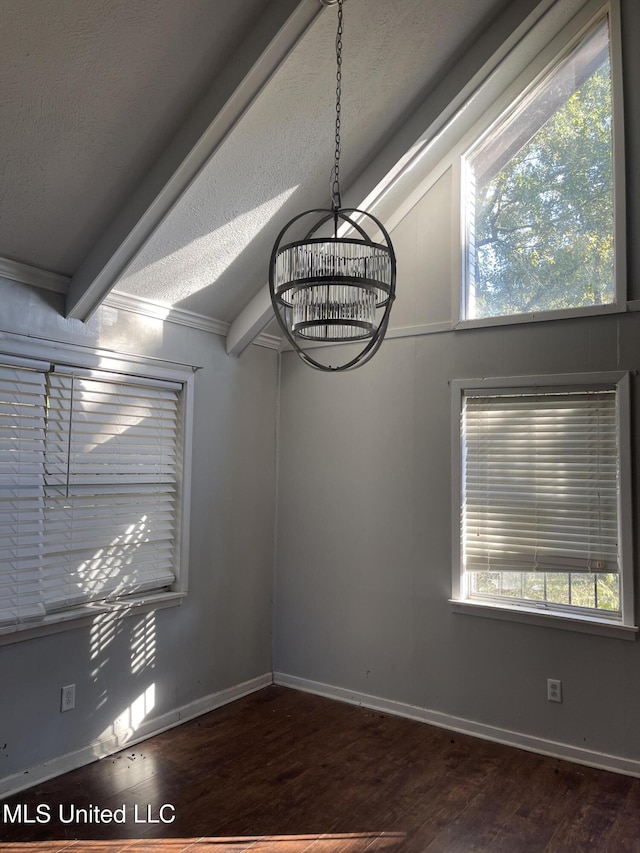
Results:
[335, 285]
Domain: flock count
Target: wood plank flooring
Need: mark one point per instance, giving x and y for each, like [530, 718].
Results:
[286, 772]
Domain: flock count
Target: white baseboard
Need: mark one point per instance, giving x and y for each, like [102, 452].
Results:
[113, 742]
[576, 754]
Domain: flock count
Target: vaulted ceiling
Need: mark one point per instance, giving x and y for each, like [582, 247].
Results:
[158, 146]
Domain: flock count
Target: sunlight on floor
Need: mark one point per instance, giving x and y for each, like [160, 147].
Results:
[344, 842]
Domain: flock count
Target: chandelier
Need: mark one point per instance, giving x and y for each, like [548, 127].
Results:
[330, 281]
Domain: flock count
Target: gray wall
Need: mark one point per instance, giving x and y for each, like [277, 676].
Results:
[221, 635]
[364, 509]
[363, 532]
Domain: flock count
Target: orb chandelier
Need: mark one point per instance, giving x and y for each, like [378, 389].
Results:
[330, 281]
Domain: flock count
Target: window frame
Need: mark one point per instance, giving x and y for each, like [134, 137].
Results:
[555, 48]
[568, 619]
[40, 354]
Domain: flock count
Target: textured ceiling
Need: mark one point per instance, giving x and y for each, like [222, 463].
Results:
[211, 253]
[92, 93]
[96, 92]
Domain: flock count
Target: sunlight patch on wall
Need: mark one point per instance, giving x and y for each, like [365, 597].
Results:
[104, 630]
[170, 276]
[143, 644]
[129, 720]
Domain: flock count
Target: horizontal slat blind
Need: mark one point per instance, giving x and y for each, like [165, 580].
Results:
[22, 424]
[111, 479]
[541, 482]
[102, 432]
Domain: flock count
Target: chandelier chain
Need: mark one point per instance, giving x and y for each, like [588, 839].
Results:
[333, 285]
[335, 190]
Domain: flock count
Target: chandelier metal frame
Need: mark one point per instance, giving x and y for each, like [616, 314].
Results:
[334, 284]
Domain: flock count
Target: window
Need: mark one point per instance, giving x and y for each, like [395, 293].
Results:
[91, 490]
[543, 521]
[538, 196]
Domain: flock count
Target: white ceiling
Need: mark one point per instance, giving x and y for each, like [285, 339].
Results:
[106, 101]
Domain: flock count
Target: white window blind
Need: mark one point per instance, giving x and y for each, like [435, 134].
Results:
[22, 423]
[541, 482]
[111, 475]
[90, 471]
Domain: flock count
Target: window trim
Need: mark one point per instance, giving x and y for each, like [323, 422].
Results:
[620, 381]
[552, 49]
[39, 353]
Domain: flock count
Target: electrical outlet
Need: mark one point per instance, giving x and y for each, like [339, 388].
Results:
[554, 690]
[67, 698]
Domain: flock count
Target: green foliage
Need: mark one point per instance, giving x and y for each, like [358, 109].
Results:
[578, 589]
[544, 222]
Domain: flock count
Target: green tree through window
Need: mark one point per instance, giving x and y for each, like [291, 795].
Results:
[540, 195]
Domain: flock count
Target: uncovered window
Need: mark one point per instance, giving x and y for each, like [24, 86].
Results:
[544, 518]
[91, 490]
[538, 193]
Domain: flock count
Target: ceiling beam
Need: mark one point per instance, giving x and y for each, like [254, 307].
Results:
[250, 322]
[274, 35]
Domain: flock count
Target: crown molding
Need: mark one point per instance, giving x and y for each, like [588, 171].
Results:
[57, 283]
[179, 316]
[35, 276]
[269, 341]
[167, 313]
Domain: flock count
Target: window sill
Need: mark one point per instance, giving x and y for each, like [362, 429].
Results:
[82, 616]
[529, 616]
[541, 316]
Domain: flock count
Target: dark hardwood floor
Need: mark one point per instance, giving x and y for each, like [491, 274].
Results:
[286, 772]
